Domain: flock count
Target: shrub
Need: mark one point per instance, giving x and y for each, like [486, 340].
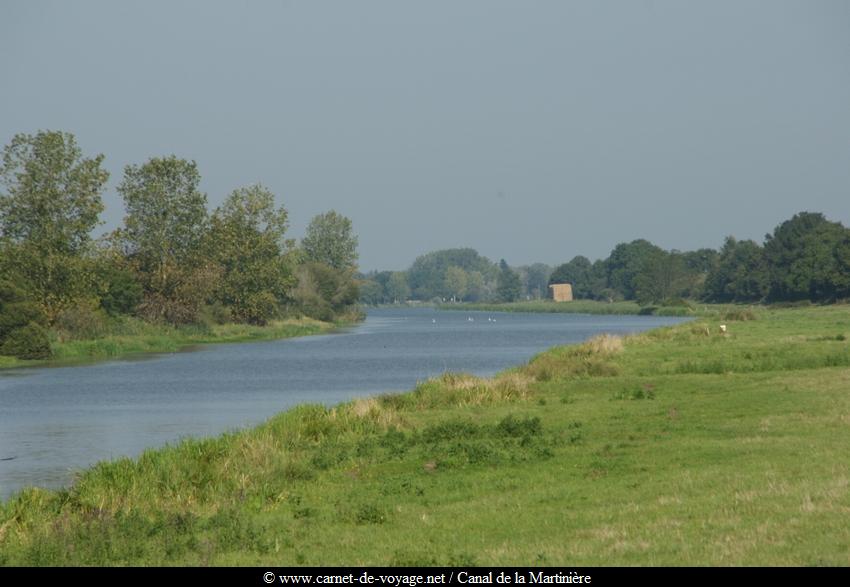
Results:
[121, 291]
[216, 313]
[81, 322]
[15, 310]
[512, 426]
[27, 342]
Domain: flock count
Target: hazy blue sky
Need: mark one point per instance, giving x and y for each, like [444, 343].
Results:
[532, 131]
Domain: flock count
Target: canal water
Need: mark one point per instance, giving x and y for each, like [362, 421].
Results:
[55, 421]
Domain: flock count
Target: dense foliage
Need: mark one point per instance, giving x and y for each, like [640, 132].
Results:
[806, 258]
[21, 325]
[172, 262]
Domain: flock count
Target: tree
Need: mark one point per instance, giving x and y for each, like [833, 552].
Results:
[164, 227]
[456, 281]
[246, 240]
[626, 262]
[663, 279]
[427, 275]
[739, 275]
[166, 213]
[371, 292]
[330, 240]
[324, 292]
[509, 286]
[537, 280]
[121, 291]
[54, 281]
[48, 208]
[52, 193]
[698, 265]
[577, 273]
[805, 258]
[397, 288]
[476, 287]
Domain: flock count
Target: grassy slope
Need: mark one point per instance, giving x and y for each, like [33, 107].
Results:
[132, 336]
[680, 447]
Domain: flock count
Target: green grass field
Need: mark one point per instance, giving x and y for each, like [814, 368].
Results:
[682, 446]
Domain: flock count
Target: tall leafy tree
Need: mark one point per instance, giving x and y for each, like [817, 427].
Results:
[330, 240]
[663, 278]
[52, 194]
[246, 239]
[626, 262]
[427, 275]
[740, 273]
[537, 280]
[166, 212]
[509, 286]
[457, 282]
[49, 204]
[476, 287]
[163, 230]
[805, 257]
[397, 288]
[371, 292]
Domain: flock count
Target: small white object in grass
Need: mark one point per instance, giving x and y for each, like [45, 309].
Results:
[723, 328]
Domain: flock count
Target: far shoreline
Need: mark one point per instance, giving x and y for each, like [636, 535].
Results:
[163, 339]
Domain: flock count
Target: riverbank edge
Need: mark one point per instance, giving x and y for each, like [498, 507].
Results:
[158, 339]
[511, 375]
[625, 308]
[180, 488]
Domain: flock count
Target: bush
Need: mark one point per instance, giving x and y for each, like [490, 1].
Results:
[324, 293]
[216, 313]
[28, 342]
[161, 309]
[81, 323]
[21, 331]
[15, 310]
[121, 293]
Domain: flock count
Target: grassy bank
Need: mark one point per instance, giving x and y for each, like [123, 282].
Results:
[127, 336]
[581, 307]
[682, 446]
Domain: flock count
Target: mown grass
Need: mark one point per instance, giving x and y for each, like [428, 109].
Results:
[682, 446]
[127, 336]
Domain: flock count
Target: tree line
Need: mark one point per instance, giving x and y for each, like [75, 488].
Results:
[452, 275]
[171, 262]
[805, 258]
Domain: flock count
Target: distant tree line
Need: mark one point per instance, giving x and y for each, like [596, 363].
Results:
[454, 275]
[805, 258]
[173, 261]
